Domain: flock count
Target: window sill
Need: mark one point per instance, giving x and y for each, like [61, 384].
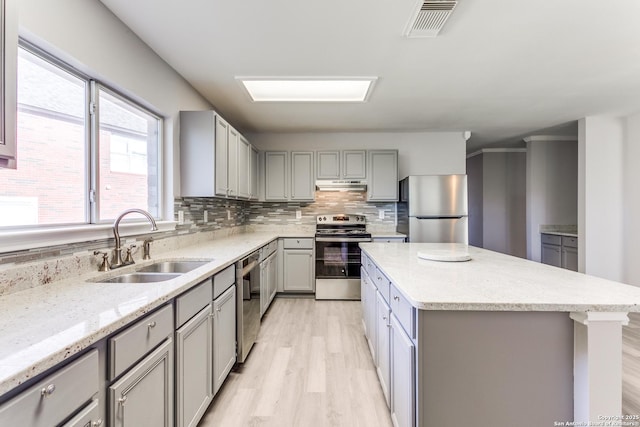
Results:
[43, 237]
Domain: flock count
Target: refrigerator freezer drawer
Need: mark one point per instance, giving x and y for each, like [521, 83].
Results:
[438, 230]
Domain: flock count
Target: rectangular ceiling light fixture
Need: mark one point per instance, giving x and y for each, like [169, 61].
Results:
[321, 89]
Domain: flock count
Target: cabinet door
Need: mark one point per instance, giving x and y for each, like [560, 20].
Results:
[551, 255]
[144, 395]
[273, 276]
[354, 164]
[224, 336]
[383, 367]
[9, 55]
[276, 175]
[194, 364]
[328, 165]
[363, 298]
[221, 156]
[253, 173]
[232, 163]
[370, 318]
[402, 376]
[570, 258]
[298, 270]
[244, 169]
[382, 184]
[264, 286]
[302, 182]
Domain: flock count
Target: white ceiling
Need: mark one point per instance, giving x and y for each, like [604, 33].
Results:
[500, 68]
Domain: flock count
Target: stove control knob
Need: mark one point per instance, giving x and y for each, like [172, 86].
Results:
[324, 218]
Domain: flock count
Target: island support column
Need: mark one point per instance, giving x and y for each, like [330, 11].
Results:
[597, 365]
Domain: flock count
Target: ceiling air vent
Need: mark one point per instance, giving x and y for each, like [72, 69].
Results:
[430, 18]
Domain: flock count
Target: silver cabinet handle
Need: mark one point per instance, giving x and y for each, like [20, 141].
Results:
[48, 390]
[384, 317]
[297, 241]
[97, 423]
[122, 400]
[151, 324]
[396, 298]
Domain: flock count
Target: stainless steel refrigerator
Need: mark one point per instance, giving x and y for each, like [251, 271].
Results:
[433, 209]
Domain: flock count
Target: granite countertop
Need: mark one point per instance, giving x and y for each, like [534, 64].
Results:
[561, 233]
[492, 281]
[43, 326]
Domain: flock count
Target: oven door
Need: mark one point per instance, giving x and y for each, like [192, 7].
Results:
[337, 258]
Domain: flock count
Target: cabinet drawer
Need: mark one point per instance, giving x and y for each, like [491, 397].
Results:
[137, 340]
[551, 239]
[368, 265]
[290, 243]
[223, 280]
[89, 416]
[569, 242]
[382, 283]
[403, 310]
[56, 397]
[192, 301]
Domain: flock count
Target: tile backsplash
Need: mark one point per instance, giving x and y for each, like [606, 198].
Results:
[225, 214]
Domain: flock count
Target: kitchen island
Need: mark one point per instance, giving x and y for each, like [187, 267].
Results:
[494, 341]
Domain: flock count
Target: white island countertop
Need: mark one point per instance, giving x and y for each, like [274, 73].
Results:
[492, 281]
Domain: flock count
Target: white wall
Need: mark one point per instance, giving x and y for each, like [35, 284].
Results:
[88, 36]
[631, 200]
[419, 153]
[601, 197]
[552, 187]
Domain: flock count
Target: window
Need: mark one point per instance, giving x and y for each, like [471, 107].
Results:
[63, 175]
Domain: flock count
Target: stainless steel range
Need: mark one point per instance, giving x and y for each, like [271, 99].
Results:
[338, 255]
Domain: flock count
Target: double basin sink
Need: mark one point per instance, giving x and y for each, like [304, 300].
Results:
[157, 272]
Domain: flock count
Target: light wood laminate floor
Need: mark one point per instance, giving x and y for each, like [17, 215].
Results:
[309, 367]
[631, 366]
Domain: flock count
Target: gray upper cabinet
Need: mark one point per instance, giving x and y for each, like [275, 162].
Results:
[215, 158]
[328, 165]
[8, 77]
[382, 184]
[232, 163]
[243, 168]
[354, 164]
[221, 157]
[276, 175]
[302, 182]
[253, 173]
[347, 164]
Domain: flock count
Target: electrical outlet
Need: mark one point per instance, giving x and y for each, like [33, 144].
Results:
[381, 213]
[229, 214]
[180, 217]
[206, 216]
[298, 214]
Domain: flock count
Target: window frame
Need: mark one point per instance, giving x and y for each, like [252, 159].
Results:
[39, 234]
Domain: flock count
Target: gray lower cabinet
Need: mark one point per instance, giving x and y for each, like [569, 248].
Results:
[570, 258]
[55, 398]
[403, 367]
[382, 183]
[383, 335]
[272, 276]
[298, 270]
[144, 395]
[88, 417]
[369, 313]
[551, 255]
[194, 368]
[224, 336]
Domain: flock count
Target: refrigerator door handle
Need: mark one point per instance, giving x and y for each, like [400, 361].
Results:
[441, 217]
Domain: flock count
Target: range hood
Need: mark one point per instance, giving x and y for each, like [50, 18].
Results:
[341, 185]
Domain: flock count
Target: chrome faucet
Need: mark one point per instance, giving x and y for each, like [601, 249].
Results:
[117, 256]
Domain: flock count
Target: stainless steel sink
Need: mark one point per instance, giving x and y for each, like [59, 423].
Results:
[141, 278]
[173, 266]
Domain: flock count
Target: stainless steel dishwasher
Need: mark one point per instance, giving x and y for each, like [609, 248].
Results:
[248, 303]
